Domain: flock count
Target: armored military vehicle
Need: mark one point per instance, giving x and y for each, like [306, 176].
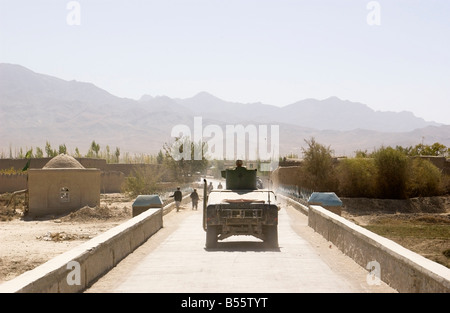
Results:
[240, 209]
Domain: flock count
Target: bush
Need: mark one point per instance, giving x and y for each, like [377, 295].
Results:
[445, 184]
[357, 177]
[424, 178]
[446, 253]
[318, 167]
[391, 175]
[10, 171]
[143, 181]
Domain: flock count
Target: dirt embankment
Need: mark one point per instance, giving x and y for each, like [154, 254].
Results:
[26, 243]
[361, 206]
[421, 225]
[364, 211]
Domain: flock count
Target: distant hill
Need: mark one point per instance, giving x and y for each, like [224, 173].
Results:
[329, 114]
[35, 108]
[336, 114]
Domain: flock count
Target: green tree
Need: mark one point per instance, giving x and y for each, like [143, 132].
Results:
[361, 154]
[391, 175]
[28, 156]
[144, 181]
[435, 149]
[49, 151]
[108, 156]
[318, 166]
[181, 161]
[424, 178]
[39, 153]
[160, 157]
[62, 149]
[357, 177]
[95, 147]
[405, 151]
[117, 154]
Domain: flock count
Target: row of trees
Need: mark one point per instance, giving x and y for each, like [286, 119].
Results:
[180, 169]
[436, 149]
[180, 159]
[392, 173]
[111, 155]
[94, 151]
[144, 179]
[384, 173]
[175, 163]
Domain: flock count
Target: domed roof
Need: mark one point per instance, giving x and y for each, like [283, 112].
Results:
[63, 161]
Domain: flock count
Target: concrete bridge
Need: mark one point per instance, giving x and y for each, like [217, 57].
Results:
[163, 251]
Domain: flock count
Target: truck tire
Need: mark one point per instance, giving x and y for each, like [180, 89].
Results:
[271, 236]
[211, 237]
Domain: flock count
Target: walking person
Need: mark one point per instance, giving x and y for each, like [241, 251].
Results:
[194, 197]
[177, 196]
[210, 187]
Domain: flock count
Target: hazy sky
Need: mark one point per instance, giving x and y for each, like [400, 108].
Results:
[391, 55]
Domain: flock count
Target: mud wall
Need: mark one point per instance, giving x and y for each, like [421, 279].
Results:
[12, 182]
[19, 164]
[112, 176]
[286, 176]
[110, 182]
[37, 163]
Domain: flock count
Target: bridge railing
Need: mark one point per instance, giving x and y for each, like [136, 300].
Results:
[295, 192]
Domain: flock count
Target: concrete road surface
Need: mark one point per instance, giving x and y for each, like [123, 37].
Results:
[174, 260]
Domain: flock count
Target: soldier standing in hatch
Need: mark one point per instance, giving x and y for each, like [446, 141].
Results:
[177, 196]
[194, 196]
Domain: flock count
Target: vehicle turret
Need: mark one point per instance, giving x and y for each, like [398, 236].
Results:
[240, 178]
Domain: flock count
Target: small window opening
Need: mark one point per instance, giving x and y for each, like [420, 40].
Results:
[64, 195]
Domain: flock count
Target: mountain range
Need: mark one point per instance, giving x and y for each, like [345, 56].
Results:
[36, 108]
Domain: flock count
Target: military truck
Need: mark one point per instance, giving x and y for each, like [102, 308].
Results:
[240, 209]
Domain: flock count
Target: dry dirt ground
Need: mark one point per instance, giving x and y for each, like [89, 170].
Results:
[25, 243]
[421, 225]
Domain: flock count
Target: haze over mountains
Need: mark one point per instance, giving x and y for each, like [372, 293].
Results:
[35, 108]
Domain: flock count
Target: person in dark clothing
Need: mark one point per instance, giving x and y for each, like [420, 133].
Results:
[210, 187]
[194, 197]
[177, 196]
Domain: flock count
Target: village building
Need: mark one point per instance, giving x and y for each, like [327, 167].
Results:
[61, 186]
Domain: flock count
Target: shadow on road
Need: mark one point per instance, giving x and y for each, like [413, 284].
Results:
[244, 246]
